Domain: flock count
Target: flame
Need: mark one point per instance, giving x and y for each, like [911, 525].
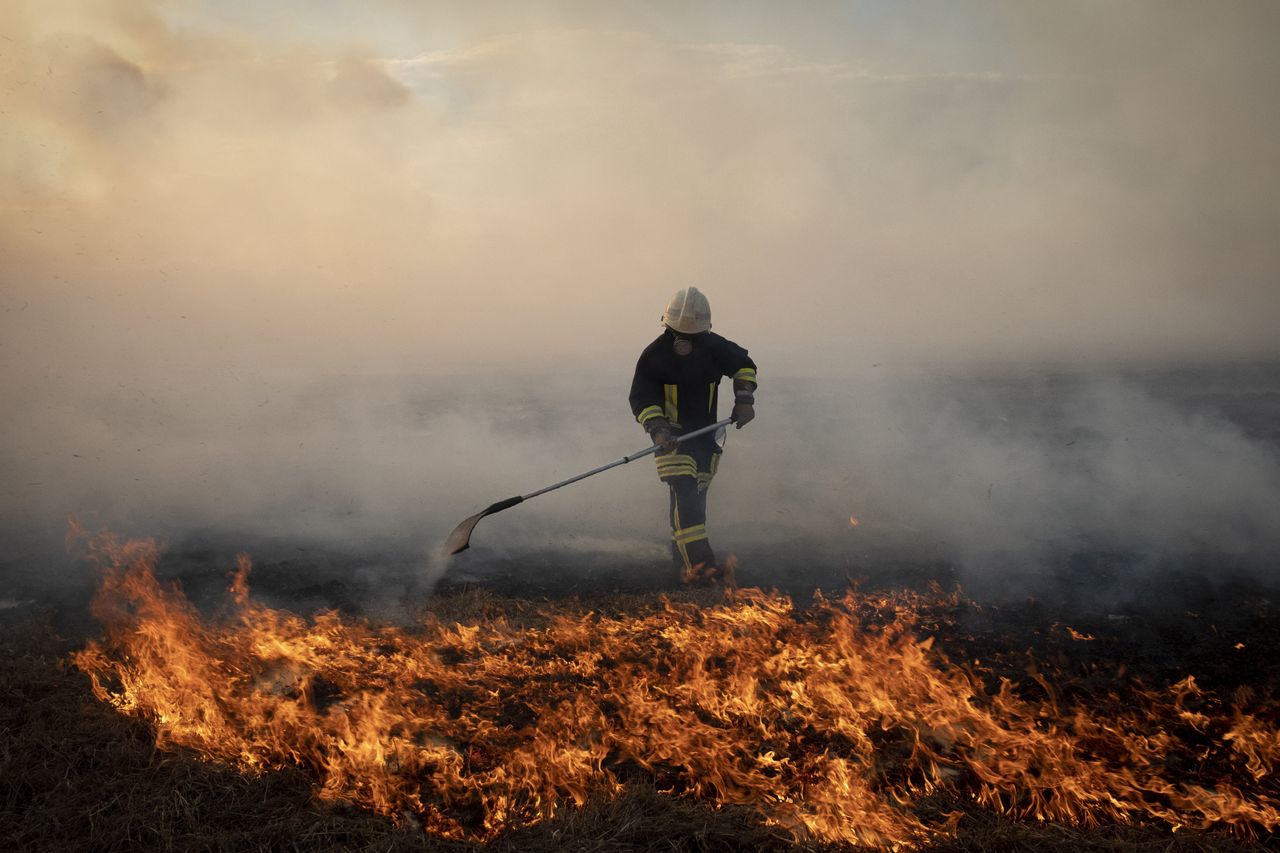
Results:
[853, 521]
[833, 722]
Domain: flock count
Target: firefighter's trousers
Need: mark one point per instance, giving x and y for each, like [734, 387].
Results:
[688, 471]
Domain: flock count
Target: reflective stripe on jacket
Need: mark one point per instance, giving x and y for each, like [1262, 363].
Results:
[684, 388]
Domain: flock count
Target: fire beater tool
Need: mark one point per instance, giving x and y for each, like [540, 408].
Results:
[460, 539]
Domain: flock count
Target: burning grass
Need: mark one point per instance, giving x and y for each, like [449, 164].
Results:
[841, 722]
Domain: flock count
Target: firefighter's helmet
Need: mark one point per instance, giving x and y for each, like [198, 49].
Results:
[688, 313]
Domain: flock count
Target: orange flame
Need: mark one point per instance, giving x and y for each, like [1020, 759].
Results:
[853, 521]
[832, 722]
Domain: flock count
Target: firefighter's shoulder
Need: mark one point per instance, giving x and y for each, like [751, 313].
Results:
[657, 351]
[723, 346]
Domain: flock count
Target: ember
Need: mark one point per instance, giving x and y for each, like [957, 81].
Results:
[833, 722]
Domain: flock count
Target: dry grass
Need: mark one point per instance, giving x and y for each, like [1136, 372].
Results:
[75, 775]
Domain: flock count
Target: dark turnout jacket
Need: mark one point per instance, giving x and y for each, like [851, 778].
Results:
[683, 388]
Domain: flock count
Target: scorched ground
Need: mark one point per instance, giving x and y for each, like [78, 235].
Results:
[888, 719]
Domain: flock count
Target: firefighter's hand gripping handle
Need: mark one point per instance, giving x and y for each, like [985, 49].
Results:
[460, 539]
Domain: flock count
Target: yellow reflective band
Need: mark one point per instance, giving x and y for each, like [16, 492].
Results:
[668, 461]
[746, 374]
[711, 397]
[686, 532]
[691, 538]
[648, 414]
[675, 527]
[676, 465]
[684, 557]
[671, 398]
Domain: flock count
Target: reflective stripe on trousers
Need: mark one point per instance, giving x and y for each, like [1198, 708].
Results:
[688, 472]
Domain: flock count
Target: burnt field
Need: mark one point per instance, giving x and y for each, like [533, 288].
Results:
[1055, 625]
[1176, 667]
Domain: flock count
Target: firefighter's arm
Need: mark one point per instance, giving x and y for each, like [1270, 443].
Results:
[737, 365]
[744, 401]
[646, 405]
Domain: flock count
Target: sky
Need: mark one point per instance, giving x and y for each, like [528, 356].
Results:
[400, 187]
[213, 210]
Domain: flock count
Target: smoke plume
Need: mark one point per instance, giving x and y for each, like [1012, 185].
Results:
[359, 276]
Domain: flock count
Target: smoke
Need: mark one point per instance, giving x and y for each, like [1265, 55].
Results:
[1032, 466]
[998, 476]
[359, 276]
[1075, 182]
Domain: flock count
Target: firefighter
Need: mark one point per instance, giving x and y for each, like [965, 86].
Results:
[675, 389]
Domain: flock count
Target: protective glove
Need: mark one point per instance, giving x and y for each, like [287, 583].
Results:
[744, 401]
[661, 433]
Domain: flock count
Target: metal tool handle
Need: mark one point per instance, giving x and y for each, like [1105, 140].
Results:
[624, 460]
[460, 539]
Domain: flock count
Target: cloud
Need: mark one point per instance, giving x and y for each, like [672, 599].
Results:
[363, 84]
[1078, 192]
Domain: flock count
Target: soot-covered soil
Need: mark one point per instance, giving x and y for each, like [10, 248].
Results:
[76, 775]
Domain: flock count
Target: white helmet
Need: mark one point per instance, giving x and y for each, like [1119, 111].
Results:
[688, 313]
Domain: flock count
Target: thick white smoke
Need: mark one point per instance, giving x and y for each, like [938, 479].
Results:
[214, 224]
